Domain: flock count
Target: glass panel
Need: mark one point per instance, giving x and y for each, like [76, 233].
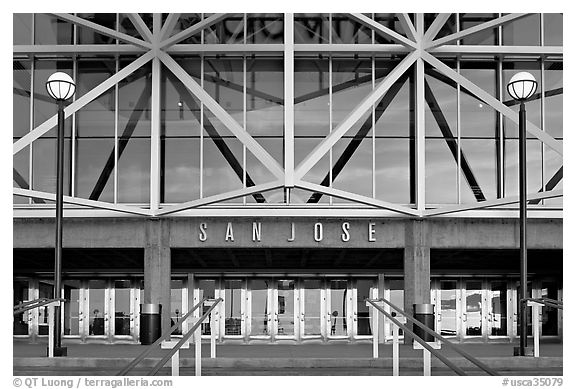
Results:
[392, 174]
[345, 30]
[176, 304]
[49, 30]
[481, 157]
[72, 319]
[21, 29]
[259, 314]
[311, 28]
[478, 118]
[351, 83]
[125, 25]
[522, 32]
[441, 180]
[223, 170]
[311, 98]
[391, 21]
[549, 315]
[529, 324]
[44, 165]
[96, 301]
[223, 80]
[122, 307]
[232, 304]
[20, 326]
[448, 308]
[134, 171]
[265, 28]
[355, 154]
[442, 98]
[265, 96]
[206, 289]
[499, 310]
[95, 169]
[88, 36]
[312, 307]
[229, 30]
[553, 24]
[363, 291]
[20, 168]
[21, 98]
[533, 166]
[181, 169]
[338, 308]
[553, 163]
[257, 173]
[396, 288]
[553, 81]
[285, 307]
[45, 290]
[484, 37]
[188, 20]
[393, 119]
[134, 93]
[473, 320]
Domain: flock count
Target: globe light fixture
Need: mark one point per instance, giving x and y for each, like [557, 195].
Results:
[60, 87]
[521, 87]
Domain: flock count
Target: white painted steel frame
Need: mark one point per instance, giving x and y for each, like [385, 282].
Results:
[285, 177]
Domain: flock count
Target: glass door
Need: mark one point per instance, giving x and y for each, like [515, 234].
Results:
[123, 320]
[549, 315]
[337, 301]
[21, 321]
[45, 290]
[97, 312]
[285, 313]
[473, 316]
[233, 308]
[498, 315]
[361, 323]
[448, 322]
[260, 308]
[206, 289]
[312, 308]
[73, 313]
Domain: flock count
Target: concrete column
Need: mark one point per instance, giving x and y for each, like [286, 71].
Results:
[416, 267]
[157, 267]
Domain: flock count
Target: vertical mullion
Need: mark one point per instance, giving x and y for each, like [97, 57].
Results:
[31, 125]
[420, 124]
[458, 136]
[501, 147]
[543, 124]
[373, 129]
[244, 115]
[330, 120]
[155, 137]
[289, 100]
[202, 128]
[116, 108]
[73, 134]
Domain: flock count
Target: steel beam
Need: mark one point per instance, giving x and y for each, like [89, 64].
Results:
[383, 31]
[155, 123]
[73, 49]
[420, 121]
[436, 26]
[289, 100]
[529, 51]
[141, 27]
[407, 26]
[192, 30]
[169, 25]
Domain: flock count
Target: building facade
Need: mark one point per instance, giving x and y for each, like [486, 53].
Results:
[293, 165]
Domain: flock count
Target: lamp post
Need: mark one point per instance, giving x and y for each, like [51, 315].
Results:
[521, 87]
[60, 87]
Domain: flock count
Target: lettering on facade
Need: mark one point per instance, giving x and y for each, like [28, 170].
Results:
[317, 231]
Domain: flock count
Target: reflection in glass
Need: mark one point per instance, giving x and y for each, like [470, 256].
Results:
[20, 295]
[480, 154]
[553, 83]
[21, 98]
[45, 290]
[20, 173]
[96, 310]
[260, 314]
[21, 29]
[484, 37]
[265, 96]
[553, 24]
[553, 163]
[206, 289]
[356, 174]
[312, 307]
[392, 174]
[122, 309]
[363, 292]
[223, 170]
[473, 318]
[88, 36]
[181, 170]
[49, 30]
[44, 165]
[229, 30]
[346, 30]
[285, 307]
[265, 28]
[522, 32]
[134, 171]
[441, 180]
[478, 118]
[311, 28]
[448, 308]
[351, 82]
[499, 310]
[311, 98]
[232, 307]
[338, 308]
[71, 313]
[533, 166]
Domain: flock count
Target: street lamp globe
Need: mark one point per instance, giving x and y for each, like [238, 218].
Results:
[60, 86]
[522, 86]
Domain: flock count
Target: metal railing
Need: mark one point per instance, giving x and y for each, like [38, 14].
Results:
[536, 304]
[176, 348]
[426, 345]
[39, 303]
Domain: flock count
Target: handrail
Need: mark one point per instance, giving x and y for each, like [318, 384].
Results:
[184, 339]
[545, 301]
[29, 305]
[166, 334]
[430, 332]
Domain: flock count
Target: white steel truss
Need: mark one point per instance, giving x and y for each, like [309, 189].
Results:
[418, 46]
